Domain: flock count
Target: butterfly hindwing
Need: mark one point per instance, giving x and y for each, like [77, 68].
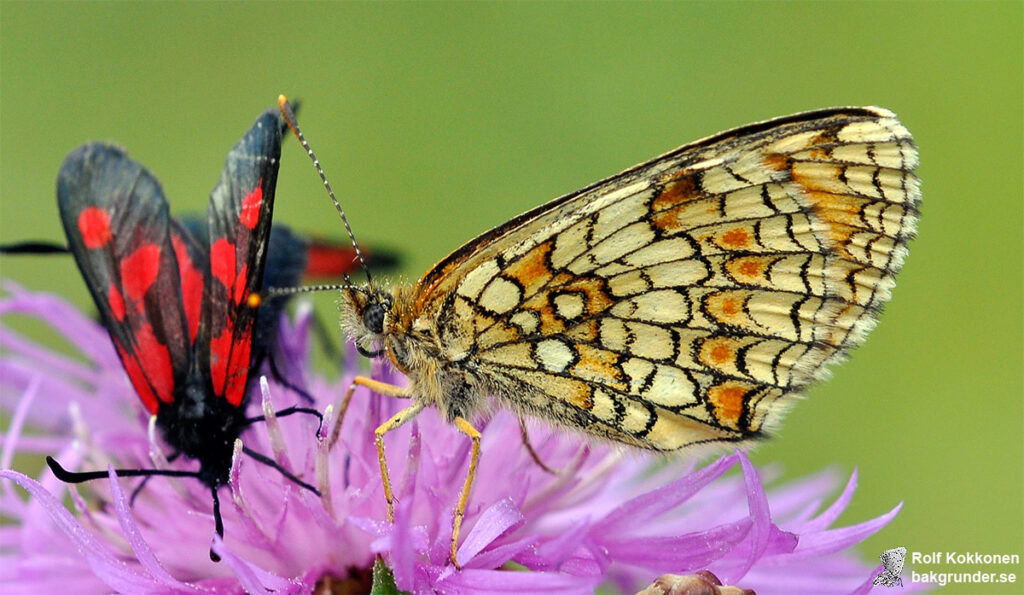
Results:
[116, 220]
[239, 222]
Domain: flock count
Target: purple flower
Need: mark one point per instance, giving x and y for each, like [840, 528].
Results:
[606, 517]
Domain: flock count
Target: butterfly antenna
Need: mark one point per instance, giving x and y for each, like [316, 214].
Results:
[289, 116]
[274, 292]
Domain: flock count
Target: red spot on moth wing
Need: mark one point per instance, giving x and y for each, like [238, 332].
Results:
[222, 267]
[220, 352]
[191, 286]
[222, 262]
[239, 373]
[138, 379]
[94, 225]
[229, 363]
[158, 362]
[116, 303]
[153, 379]
[251, 205]
[139, 270]
[328, 261]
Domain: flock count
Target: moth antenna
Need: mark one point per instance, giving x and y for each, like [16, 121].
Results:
[82, 476]
[34, 247]
[289, 116]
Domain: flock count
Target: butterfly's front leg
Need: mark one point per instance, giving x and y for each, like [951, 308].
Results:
[383, 388]
[460, 511]
[396, 421]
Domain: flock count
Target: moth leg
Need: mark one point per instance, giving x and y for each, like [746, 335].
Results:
[278, 376]
[325, 335]
[290, 411]
[218, 521]
[142, 484]
[460, 510]
[262, 458]
[388, 390]
[392, 424]
[530, 449]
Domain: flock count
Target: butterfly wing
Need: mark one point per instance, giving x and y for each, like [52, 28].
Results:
[892, 560]
[677, 303]
[885, 579]
[116, 220]
[239, 221]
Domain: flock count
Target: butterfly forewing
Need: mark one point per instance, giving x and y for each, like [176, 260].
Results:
[678, 302]
[892, 566]
[239, 218]
[892, 560]
[116, 220]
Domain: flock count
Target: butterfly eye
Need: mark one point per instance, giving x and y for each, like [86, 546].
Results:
[373, 318]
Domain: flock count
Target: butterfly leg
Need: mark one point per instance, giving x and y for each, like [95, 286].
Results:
[383, 388]
[460, 511]
[394, 423]
[530, 449]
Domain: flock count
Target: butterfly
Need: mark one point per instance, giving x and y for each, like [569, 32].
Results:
[683, 303]
[184, 313]
[892, 566]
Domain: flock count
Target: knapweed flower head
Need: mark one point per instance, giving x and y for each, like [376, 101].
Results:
[603, 517]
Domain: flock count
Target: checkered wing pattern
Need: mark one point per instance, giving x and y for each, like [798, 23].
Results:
[686, 300]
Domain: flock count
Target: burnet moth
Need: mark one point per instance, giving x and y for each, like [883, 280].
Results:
[292, 259]
[182, 312]
[318, 259]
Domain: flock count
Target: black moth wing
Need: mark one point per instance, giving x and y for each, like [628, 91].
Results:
[116, 219]
[191, 255]
[239, 221]
[285, 266]
[287, 256]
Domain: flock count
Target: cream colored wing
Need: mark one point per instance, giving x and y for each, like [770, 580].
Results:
[682, 301]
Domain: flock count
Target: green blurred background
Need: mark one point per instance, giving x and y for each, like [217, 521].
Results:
[439, 121]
